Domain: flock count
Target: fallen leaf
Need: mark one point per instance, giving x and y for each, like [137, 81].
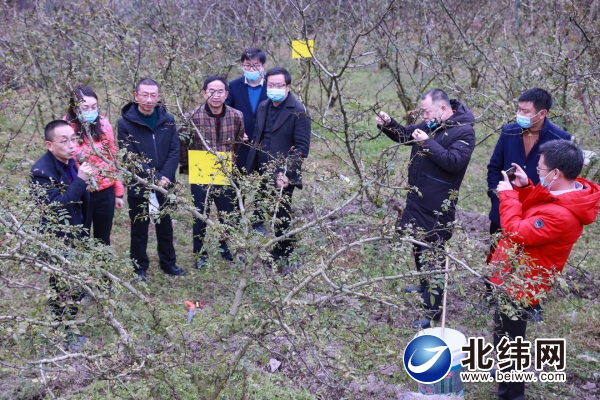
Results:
[589, 386]
[587, 358]
[274, 364]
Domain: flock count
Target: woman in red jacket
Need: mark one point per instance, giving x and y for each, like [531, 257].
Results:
[106, 191]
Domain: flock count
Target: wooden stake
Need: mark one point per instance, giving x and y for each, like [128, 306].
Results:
[445, 292]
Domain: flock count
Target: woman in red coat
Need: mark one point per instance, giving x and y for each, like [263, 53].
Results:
[106, 191]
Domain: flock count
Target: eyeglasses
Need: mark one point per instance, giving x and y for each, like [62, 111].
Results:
[146, 95]
[538, 169]
[280, 86]
[66, 142]
[216, 93]
[251, 67]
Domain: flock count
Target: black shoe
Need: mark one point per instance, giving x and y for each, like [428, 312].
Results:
[201, 263]
[229, 257]
[410, 289]
[486, 304]
[426, 321]
[141, 275]
[535, 314]
[74, 342]
[260, 229]
[287, 268]
[174, 270]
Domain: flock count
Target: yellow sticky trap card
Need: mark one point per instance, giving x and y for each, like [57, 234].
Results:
[300, 48]
[205, 168]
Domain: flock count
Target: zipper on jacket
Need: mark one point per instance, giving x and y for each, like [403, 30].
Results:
[155, 149]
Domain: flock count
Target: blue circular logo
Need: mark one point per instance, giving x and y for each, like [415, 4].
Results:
[427, 359]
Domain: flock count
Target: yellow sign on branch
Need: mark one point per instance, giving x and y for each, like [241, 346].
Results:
[205, 167]
[300, 49]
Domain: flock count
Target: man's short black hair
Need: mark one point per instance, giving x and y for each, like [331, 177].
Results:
[541, 99]
[253, 52]
[215, 78]
[51, 126]
[148, 82]
[437, 96]
[279, 71]
[563, 155]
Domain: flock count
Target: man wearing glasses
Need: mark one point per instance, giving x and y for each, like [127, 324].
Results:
[65, 187]
[442, 145]
[245, 94]
[147, 130]
[281, 143]
[218, 128]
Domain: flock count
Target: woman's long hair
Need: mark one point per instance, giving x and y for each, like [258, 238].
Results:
[76, 98]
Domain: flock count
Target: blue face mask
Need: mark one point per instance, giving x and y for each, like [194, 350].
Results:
[276, 94]
[525, 122]
[89, 116]
[252, 76]
[433, 123]
[543, 181]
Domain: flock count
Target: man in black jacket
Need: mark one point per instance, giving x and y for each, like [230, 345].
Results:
[149, 131]
[281, 143]
[441, 149]
[65, 187]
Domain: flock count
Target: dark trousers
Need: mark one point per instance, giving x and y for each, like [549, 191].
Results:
[204, 195]
[63, 303]
[283, 213]
[139, 234]
[433, 288]
[504, 326]
[101, 211]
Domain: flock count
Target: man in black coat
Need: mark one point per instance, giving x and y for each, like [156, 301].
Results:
[65, 188]
[442, 145]
[281, 143]
[146, 129]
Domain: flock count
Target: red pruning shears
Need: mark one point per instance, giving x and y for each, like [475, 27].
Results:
[192, 306]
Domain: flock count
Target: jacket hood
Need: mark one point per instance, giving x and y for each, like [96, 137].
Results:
[581, 203]
[128, 112]
[462, 115]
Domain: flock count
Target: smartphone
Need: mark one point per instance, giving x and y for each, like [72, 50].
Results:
[511, 173]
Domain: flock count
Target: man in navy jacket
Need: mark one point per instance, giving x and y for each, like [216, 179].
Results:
[56, 171]
[246, 93]
[65, 189]
[520, 143]
[148, 130]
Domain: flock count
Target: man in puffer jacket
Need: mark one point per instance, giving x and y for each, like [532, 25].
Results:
[540, 224]
[442, 145]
